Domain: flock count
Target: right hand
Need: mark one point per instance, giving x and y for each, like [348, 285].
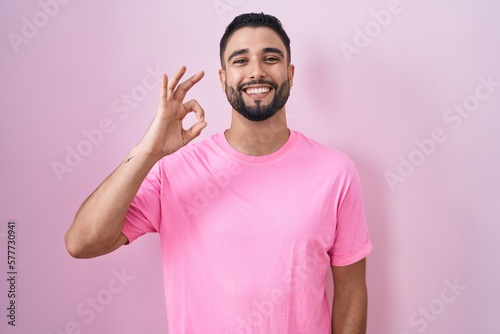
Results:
[166, 133]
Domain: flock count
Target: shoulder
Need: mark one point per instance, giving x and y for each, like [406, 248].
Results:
[194, 149]
[329, 166]
[321, 153]
[194, 156]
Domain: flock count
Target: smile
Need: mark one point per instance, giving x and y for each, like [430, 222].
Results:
[257, 90]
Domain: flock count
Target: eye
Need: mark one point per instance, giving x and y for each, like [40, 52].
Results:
[240, 61]
[271, 59]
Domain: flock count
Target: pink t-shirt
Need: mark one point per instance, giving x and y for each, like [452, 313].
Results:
[247, 241]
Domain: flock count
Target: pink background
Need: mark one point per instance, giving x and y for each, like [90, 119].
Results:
[438, 225]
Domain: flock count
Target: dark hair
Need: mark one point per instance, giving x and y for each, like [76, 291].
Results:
[254, 20]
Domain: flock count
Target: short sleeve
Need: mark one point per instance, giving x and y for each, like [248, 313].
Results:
[352, 242]
[144, 213]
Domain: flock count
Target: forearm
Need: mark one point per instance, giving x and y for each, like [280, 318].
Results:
[99, 221]
[96, 229]
[349, 312]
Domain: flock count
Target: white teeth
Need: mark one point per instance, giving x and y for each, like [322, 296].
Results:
[260, 90]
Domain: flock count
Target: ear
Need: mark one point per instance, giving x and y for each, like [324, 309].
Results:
[291, 72]
[222, 78]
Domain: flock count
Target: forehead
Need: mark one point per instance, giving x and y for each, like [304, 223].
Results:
[254, 39]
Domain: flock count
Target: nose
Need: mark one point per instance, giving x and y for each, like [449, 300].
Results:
[256, 70]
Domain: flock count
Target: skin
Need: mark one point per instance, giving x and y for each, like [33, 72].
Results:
[257, 63]
[350, 299]
[96, 229]
[252, 54]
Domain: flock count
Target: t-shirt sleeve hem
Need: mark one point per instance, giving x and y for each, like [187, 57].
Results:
[129, 234]
[353, 257]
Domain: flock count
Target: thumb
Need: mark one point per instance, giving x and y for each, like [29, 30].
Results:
[194, 131]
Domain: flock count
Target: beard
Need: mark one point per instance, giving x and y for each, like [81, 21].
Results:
[258, 112]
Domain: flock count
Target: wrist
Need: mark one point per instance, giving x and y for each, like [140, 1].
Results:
[139, 155]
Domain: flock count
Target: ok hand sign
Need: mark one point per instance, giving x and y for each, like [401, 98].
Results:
[166, 133]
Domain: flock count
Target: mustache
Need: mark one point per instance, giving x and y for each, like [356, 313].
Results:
[273, 84]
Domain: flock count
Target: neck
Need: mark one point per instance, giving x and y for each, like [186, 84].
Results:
[258, 138]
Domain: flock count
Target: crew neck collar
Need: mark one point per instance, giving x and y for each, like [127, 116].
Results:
[224, 144]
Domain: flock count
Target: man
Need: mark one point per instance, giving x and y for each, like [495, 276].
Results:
[250, 220]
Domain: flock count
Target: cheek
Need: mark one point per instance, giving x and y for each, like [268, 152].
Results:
[231, 83]
[234, 77]
[229, 78]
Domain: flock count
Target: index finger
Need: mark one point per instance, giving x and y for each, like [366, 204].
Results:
[170, 85]
[183, 88]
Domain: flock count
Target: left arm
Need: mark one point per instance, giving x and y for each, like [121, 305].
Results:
[350, 299]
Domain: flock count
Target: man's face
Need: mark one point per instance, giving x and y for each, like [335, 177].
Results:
[256, 78]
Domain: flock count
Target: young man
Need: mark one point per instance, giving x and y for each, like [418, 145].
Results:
[250, 220]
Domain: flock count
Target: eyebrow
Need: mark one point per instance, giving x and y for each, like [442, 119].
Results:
[266, 50]
[274, 50]
[237, 53]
